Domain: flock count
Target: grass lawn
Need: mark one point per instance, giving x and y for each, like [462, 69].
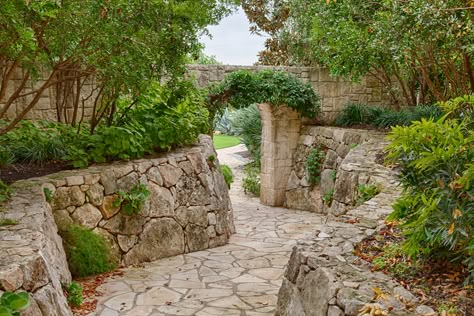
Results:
[224, 141]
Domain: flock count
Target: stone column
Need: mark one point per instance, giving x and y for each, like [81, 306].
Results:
[280, 132]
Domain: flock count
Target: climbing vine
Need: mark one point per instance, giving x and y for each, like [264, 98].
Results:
[243, 88]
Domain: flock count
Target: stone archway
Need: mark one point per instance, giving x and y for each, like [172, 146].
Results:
[280, 132]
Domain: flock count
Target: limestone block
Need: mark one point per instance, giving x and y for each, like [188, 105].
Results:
[62, 219]
[154, 175]
[161, 237]
[126, 242]
[327, 181]
[196, 237]
[74, 180]
[95, 193]
[87, 215]
[111, 242]
[108, 208]
[67, 196]
[107, 179]
[126, 183]
[170, 174]
[160, 203]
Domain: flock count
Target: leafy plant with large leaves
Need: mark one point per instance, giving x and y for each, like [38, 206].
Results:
[437, 174]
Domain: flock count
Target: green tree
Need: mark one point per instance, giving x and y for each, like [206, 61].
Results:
[420, 50]
[122, 45]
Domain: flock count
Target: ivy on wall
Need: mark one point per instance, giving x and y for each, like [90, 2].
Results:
[243, 88]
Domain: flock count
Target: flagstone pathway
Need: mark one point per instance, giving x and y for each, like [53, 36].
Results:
[240, 278]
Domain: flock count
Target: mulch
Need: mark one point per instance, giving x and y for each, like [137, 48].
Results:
[15, 172]
[435, 282]
[90, 293]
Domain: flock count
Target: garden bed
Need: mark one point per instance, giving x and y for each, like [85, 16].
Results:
[15, 172]
[437, 283]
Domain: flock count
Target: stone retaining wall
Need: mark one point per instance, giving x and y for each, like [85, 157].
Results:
[323, 276]
[344, 168]
[189, 210]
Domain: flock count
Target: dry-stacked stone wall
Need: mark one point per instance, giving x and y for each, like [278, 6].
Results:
[188, 210]
[324, 277]
[345, 167]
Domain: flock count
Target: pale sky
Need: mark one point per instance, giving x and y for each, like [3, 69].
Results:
[232, 43]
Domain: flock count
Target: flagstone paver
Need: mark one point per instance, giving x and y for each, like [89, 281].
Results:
[240, 278]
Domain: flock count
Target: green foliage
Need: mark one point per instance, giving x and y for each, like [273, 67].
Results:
[132, 202]
[121, 44]
[251, 180]
[328, 197]
[48, 194]
[87, 253]
[243, 88]
[34, 142]
[247, 124]
[314, 164]
[392, 40]
[12, 303]
[74, 294]
[7, 222]
[365, 192]
[393, 260]
[5, 192]
[223, 122]
[228, 175]
[360, 114]
[437, 174]
[333, 175]
[6, 156]
[161, 119]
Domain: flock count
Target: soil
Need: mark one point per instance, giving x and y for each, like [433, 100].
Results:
[435, 282]
[15, 172]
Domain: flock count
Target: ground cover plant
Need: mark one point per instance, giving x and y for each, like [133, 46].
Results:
[74, 294]
[228, 175]
[132, 202]
[355, 114]
[251, 180]
[11, 304]
[436, 283]
[87, 252]
[314, 165]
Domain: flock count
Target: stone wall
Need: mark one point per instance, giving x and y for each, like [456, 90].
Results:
[33, 257]
[189, 210]
[335, 92]
[45, 109]
[323, 276]
[345, 167]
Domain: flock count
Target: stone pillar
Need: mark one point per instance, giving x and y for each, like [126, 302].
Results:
[280, 132]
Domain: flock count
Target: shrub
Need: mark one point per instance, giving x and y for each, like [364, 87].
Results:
[12, 303]
[328, 197]
[6, 156]
[87, 252]
[437, 174]
[5, 192]
[365, 192]
[223, 122]
[74, 294]
[251, 180]
[247, 124]
[314, 164]
[132, 202]
[360, 114]
[228, 176]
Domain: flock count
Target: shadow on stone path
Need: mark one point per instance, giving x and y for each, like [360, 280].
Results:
[240, 278]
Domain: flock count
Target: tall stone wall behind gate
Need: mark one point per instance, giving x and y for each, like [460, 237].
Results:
[334, 92]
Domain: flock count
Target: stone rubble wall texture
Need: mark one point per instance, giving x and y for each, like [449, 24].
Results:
[323, 276]
[347, 165]
[188, 210]
[280, 131]
[45, 109]
[334, 92]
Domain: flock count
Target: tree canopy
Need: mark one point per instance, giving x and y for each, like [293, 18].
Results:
[420, 50]
[122, 44]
